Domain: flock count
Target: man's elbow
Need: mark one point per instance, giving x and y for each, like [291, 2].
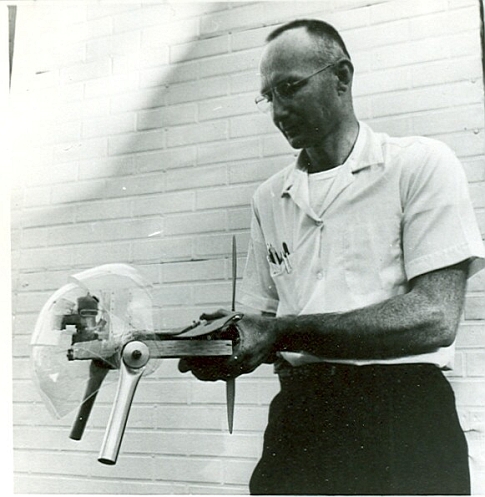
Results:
[440, 296]
[443, 327]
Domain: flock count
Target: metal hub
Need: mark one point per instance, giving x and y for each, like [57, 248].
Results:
[136, 354]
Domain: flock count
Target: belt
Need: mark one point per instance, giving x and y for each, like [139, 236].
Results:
[332, 371]
[285, 370]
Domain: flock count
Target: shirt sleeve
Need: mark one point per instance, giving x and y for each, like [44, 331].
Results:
[258, 290]
[439, 224]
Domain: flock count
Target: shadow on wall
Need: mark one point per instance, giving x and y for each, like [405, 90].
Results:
[125, 158]
[132, 163]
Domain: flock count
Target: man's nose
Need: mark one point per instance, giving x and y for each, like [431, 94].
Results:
[279, 110]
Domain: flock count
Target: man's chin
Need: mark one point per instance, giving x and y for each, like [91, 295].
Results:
[296, 142]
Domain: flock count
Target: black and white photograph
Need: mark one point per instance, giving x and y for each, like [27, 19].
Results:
[244, 247]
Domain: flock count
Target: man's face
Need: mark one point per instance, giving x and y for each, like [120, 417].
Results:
[312, 111]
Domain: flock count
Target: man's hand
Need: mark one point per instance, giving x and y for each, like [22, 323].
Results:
[254, 339]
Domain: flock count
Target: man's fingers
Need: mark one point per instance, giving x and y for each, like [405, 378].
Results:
[183, 366]
[205, 368]
[236, 367]
[210, 316]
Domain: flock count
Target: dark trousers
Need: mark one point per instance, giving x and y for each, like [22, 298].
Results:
[350, 430]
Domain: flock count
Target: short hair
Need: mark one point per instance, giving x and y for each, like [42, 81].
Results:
[315, 27]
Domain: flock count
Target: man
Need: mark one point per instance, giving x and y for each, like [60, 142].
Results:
[358, 261]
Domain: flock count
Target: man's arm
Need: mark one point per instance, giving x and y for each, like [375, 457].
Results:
[417, 322]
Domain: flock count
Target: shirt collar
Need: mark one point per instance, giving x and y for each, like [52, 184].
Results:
[367, 151]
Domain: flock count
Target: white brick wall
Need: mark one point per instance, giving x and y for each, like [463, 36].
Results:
[137, 141]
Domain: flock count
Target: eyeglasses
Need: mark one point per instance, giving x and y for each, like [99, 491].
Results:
[284, 90]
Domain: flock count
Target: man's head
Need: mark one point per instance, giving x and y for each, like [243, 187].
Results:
[331, 42]
[306, 74]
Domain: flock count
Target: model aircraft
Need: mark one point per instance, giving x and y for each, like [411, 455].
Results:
[101, 321]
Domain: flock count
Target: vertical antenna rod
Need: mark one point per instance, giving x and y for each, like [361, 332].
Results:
[231, 382]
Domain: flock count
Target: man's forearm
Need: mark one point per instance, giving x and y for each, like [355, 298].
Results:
[418, 322]
[387, 329]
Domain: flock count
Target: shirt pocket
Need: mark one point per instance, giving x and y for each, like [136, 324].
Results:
[284, 276]
[276, 270]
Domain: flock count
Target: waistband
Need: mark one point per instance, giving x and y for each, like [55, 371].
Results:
[328, 371]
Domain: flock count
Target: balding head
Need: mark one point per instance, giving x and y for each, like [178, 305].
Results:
[328, 39]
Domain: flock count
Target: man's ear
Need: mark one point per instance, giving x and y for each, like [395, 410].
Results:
[344, 70]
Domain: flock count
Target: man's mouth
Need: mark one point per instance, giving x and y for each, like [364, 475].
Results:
[289, 130]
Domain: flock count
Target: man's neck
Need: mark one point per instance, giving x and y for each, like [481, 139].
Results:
[334, 149]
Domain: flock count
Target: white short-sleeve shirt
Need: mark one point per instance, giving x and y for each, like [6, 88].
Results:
[396, 209]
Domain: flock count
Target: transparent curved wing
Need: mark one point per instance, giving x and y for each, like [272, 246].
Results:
[82, 329]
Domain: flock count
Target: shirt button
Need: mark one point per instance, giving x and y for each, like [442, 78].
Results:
[319, 222]
[319, 275]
